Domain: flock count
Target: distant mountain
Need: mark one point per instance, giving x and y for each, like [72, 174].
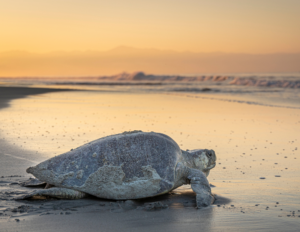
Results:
[127, 59]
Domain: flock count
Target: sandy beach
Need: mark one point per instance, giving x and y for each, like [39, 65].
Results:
[118, 100]
[256, 179]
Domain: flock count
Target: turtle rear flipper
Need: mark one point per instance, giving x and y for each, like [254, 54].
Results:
[33, 182]
[49, 186]
[63, 193]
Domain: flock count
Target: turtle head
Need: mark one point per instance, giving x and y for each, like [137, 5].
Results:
[203, 159]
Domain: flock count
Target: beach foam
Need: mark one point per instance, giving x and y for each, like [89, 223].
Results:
[279, 90]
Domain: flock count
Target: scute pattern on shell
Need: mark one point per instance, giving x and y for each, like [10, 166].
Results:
[132, 151]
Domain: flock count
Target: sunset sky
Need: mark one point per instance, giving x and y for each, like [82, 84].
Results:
[233, 26]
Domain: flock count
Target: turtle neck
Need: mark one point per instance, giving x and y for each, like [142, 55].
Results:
[188, 159]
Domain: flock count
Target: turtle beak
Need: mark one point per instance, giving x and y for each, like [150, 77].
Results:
[209, 167]
[212, 166]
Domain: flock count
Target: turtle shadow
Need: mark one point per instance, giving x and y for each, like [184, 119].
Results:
[220, 200]
[178, 198]
[186, 199]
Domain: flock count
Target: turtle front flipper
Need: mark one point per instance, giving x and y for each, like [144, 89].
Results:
[204, 197]
[200, 186]
[54, 192]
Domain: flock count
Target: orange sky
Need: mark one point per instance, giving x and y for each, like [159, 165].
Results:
[235, 26]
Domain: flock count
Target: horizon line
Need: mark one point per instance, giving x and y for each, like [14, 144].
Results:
[161, 74]
[141, 49]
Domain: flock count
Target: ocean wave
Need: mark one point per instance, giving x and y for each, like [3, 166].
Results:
[249, 102]
[280, 90]
[141, 79]
[191, 90]
[107, 83]
[263, 81]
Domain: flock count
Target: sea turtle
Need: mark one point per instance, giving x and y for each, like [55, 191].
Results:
[130, 165]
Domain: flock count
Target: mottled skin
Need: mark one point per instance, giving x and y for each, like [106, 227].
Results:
[130, 165]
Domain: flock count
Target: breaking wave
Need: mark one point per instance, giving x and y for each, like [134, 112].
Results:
[259, 80]
[140, 78]
[266, 89]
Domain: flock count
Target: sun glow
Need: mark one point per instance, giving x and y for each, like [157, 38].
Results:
[254, 26]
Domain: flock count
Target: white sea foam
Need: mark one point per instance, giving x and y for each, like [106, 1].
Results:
[280, 89]
[140, 78]
[277, 80]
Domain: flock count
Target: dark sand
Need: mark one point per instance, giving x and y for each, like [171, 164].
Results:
[244, 202]
[9, 93]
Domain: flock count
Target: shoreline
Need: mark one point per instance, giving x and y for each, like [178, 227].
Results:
[8, 94]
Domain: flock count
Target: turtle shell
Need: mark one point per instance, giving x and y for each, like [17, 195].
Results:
[130, 165]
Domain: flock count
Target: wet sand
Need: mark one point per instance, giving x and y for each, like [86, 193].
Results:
[256, 178]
